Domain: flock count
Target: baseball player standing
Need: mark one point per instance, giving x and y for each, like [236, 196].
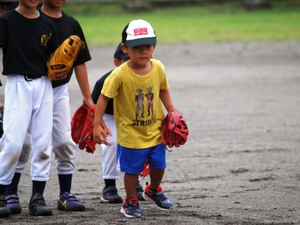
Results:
[27, 39]
[109, 153]
[138, 134]
[64, 147]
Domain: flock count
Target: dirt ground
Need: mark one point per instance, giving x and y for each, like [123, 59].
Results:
[240, 165]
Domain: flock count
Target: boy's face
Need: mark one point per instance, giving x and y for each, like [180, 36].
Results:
[119, 62]
[140, 54]
[29, 3]
[54, 3]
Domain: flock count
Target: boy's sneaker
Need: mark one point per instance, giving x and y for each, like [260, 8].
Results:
[68, 202]
[157, 198]
[139, 192]
[131, 208]
[38, 207]
[4, 210]
[12, 202]
[110, 195]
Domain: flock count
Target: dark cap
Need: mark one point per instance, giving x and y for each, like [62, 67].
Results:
[138, 32]
[119, 54]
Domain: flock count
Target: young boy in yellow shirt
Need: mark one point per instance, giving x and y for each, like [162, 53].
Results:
[138, 87]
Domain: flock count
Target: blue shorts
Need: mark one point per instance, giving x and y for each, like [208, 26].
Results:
[131, 160]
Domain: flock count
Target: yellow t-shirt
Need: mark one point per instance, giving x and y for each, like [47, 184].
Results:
[138, 110]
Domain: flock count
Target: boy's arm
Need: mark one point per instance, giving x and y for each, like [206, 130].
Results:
[166, 99]
[174, 131]
[100, 129]
[83, 82]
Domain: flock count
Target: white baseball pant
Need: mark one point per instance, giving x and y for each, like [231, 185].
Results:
[63, 145]
[109, 153]
[28, 105]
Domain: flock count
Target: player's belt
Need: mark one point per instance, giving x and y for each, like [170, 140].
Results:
[30, 78]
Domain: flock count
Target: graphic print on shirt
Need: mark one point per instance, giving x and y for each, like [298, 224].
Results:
[140, 108]
[149, 96]
[45, 38]
[139, 98]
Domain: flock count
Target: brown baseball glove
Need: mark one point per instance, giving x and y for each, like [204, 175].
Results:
[174, 131]
[61, 61]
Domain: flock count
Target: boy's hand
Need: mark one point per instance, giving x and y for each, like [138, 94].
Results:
[100, 133]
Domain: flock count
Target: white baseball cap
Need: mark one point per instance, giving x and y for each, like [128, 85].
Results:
[138, 32]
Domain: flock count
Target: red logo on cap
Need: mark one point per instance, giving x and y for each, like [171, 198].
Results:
[140, 31]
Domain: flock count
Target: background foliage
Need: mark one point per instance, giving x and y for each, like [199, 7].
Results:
[103, 23]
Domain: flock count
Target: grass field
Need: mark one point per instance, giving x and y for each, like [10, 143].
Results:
[103, 24]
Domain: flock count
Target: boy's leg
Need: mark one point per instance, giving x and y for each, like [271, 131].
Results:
[109, 153]
[25, 154]
[153, 192]
[64, 149]
[130, 207]
[41, 134]
[41, 129]
[109, 160]
[131, 161]
[12, 197]
[139, 191]
[4, 210]
[130, 181]
[12, 189]
[156, 176]
[18, 113]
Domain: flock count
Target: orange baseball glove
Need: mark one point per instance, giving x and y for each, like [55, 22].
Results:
[61, 61]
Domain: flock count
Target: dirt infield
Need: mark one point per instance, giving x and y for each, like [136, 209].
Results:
[240, 165]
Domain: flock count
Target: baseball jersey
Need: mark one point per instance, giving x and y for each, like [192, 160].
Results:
[66, 26]
[138, 110]
[19, 36]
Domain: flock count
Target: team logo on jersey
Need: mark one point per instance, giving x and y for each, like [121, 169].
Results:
[45, 38]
